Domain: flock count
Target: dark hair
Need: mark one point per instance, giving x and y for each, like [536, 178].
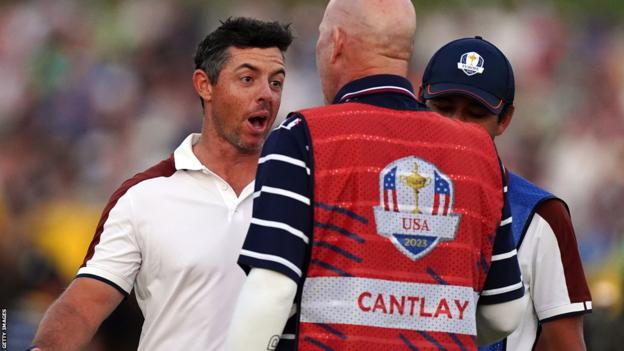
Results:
[240, 32]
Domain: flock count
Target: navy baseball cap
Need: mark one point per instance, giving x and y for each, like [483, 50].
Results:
[472, 67]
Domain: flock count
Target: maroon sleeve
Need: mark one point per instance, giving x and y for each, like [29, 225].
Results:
[556, 213]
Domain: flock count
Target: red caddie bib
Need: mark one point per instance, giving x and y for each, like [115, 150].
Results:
[406, 208]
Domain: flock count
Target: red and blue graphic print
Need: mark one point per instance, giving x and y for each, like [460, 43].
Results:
[416, 204]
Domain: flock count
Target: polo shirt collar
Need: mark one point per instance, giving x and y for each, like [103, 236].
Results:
[381, 83]
[184, 157]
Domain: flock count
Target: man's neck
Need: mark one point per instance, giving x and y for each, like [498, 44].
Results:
[395, 67]
[238, 169]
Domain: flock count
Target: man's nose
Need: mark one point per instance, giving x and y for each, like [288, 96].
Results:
[265, 93]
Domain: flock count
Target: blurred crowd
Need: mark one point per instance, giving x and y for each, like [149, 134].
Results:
[92, 92]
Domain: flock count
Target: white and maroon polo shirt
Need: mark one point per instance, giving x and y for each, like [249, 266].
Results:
[173, 233]
[552, 272]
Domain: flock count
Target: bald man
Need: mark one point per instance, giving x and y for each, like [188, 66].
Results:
[377, 225]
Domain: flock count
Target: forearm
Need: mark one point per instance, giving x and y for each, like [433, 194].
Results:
[262, 310]
[64, 327]
[564, 334]
[72, 320]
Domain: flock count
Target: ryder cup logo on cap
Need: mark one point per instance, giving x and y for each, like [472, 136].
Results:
[416, 206]
[471, 63]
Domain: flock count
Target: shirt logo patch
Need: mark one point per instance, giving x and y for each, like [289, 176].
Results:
[471, 63]
[415, 206]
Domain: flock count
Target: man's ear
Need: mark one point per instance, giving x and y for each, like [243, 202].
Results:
[202, 85]
[338, 38]
[505, 119]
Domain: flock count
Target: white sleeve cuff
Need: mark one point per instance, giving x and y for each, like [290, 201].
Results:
[118, 282]
[563, 310]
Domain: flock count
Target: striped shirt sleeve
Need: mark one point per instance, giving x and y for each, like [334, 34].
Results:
[504, 280]
[281, 223]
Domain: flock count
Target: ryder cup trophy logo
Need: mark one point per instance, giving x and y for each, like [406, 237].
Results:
[416, 203]
[471, 63]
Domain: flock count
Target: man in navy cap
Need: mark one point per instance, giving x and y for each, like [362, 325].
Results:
[471, 80]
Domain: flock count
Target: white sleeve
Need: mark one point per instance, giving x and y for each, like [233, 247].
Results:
[548, 284]
[115, 257]
[263, 307]
[497, 321]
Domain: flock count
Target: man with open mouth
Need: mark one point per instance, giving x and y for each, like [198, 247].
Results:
[173, 232]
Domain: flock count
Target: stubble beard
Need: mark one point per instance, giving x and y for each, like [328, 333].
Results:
[233, 137]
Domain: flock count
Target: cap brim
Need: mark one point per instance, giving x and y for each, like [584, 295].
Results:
[491, 102]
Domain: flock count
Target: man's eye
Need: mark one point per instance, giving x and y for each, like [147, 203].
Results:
[246, 79]
[277, 83]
